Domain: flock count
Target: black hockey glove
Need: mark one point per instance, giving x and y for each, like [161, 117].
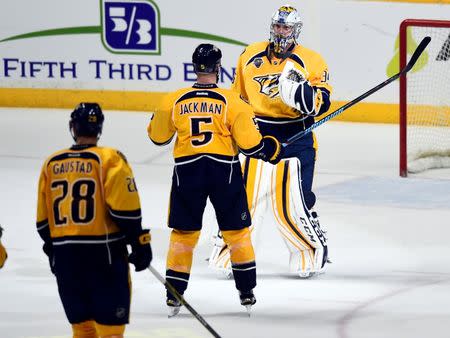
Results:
[272, 151]
[48, 249]
[141, 250]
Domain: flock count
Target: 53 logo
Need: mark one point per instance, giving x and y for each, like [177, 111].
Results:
[131, 26]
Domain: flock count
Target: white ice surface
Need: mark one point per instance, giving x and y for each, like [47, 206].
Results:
[390, 275]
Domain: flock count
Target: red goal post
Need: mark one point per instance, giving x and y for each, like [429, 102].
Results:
[424, 97]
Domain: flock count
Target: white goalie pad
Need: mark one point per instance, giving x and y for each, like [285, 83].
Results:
[300, 230]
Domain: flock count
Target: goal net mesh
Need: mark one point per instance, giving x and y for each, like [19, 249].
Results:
[428, 101]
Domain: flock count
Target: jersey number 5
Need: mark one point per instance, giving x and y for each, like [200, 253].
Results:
[82, 203]
[203, 137]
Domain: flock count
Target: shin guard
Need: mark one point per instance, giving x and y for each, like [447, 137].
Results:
[179, 258]
[84, 330]
[242, 258]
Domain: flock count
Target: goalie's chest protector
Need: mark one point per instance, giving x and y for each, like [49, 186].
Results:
[257, 78]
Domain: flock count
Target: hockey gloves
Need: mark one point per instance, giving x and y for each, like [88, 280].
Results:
[272, 151]
[48, 249]
[296, 91]
[141, 250]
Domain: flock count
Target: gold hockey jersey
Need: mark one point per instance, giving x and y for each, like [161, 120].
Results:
[81, 191]
[256, 78]
[207, 120]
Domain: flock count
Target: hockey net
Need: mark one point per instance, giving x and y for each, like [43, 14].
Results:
[425, 98]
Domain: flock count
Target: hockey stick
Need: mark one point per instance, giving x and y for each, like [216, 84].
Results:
[181, 299]
[422, 45]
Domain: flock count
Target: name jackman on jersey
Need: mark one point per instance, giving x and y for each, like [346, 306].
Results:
[71, 167]
[200, 107]
[15, 68]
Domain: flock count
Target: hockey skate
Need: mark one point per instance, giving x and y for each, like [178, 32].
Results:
[174, 307]
[247, 299]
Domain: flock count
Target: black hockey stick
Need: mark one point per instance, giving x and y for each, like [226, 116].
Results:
[181, 299]
[422, 45]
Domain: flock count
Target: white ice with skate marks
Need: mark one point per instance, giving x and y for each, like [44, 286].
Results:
[390, 275]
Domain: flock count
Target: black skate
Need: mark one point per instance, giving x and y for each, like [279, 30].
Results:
[247, 299]
[173, 305]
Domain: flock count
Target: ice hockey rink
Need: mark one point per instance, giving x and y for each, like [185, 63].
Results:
[388, 239]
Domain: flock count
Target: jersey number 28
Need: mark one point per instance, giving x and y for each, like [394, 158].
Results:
[82, 203]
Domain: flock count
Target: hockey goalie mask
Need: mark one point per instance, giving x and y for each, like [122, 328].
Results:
[284, 29]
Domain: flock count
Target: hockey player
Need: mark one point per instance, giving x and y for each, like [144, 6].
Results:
[3, 254]
[211, 125]
[88, 210]
[281, 116]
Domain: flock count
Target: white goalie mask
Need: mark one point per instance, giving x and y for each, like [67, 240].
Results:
[284, 16]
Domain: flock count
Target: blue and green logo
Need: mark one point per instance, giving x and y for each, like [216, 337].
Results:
[130, 27]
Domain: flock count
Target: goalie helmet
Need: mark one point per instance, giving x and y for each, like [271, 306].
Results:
[284, 16]
[206, 58]
[86, 120]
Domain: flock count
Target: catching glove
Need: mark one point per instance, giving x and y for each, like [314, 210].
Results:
[141, 250]
[297, 92]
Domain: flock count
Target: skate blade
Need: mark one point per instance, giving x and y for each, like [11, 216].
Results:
[249, 309]
[173, 311]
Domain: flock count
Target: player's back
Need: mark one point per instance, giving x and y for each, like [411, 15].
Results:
[74, 187]
[204, 118]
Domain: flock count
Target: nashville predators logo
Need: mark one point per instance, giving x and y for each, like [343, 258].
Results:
[268, 84]
[287, 9]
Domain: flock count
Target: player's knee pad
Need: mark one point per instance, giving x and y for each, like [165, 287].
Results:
[84, 330]
[242, 258]
[181, 248]
[300, 230]
[105, 331]
[240, 244]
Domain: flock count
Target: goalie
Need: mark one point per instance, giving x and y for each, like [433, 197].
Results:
[287, 86]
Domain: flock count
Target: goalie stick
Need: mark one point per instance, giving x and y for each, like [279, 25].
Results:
[181, 299]
[420, 48]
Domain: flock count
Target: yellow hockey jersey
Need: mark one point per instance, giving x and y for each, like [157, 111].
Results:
[256, 78]
[207, 120]
[82, 193]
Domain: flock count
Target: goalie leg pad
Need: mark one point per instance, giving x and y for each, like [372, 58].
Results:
[301, 232]
[242, 258]
[84, 330]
